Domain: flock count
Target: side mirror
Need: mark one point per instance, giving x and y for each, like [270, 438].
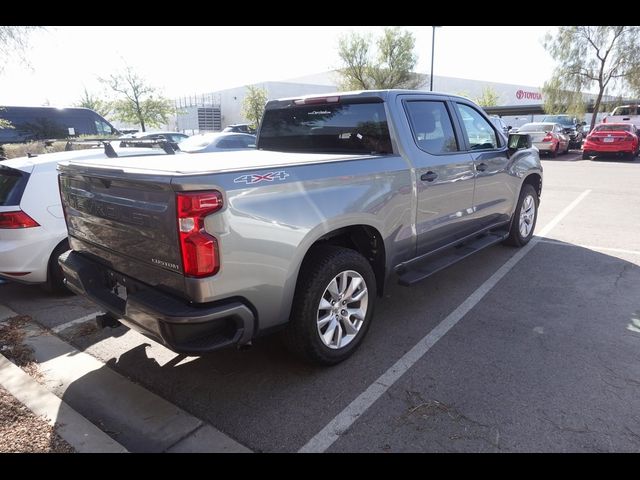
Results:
[519, 141]
[509, 127]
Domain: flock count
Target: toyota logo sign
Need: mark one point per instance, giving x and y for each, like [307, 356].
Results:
[520, 94]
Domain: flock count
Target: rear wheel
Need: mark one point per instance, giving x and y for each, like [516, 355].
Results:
[586, 155]
[55, 278]
[524, 218]
[333, 305]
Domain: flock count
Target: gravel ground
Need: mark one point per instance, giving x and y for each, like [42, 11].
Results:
[12, 346]
[23, 432]
[20, 429]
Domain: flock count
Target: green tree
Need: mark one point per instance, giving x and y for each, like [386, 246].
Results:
[390, 67]
[139, 102]
[488, 98]
[253, 105]
[587, 56]
[95, 103]
[14, 42]
[5, 123]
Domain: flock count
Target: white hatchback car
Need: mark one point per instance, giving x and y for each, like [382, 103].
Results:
[33, 233]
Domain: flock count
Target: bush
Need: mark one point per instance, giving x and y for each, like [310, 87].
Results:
[15, 150]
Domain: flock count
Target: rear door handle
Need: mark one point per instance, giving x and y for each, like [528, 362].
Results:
[481, 167]
[429, 176]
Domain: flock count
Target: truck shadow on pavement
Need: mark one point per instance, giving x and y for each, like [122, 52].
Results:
[568, 310]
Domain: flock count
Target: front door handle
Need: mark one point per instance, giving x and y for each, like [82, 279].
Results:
[482, 167]
[429, 176]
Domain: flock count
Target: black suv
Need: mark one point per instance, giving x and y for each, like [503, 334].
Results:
[571, 127]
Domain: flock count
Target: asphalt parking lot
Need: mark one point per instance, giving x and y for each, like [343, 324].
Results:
[510, 350]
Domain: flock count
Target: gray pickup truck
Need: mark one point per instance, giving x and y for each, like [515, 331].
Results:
[344, 193]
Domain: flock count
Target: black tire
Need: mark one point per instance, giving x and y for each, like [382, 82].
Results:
[55, 278]
[515, 238]
[586, 156]
[320, 268]
[567, 149]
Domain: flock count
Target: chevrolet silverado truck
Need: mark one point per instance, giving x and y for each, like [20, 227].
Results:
[343, 194]
[624, 114]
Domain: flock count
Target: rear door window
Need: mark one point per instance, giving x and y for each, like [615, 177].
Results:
[431, 126]
[12, 185]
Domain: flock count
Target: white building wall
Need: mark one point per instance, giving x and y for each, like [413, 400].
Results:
[231, 99]
[326, 82]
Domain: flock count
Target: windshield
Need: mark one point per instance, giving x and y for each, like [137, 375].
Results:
[327, 128]
[561, 119]
[613, 128]
[625, 110]
[536, 127]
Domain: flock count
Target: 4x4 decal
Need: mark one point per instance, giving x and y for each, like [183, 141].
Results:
[261, 177]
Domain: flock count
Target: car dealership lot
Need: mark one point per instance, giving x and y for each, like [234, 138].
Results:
[546, 359]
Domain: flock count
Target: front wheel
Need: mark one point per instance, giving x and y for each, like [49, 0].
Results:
[333, 305]
[524, 218]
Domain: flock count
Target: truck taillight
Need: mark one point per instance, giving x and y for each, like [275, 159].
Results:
[317, 100]
[547, 138]
[17, 219]
[199, 250]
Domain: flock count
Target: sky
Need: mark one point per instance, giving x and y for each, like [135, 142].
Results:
[188, 60]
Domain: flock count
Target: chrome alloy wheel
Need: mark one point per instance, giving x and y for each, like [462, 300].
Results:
[527, 215]
[342, 309]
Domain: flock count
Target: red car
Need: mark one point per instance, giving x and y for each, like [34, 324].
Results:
[609, 138]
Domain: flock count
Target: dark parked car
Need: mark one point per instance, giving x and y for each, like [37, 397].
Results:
[213, 142]
[240, 128]
[44, 123]
[571, 127]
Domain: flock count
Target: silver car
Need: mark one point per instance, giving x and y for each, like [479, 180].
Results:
[213, 142]
[547, 137]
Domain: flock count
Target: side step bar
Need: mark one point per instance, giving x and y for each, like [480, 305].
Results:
[430, 265]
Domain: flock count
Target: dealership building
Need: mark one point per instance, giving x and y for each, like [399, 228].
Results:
[215, 110]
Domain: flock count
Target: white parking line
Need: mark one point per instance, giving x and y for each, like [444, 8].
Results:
[590, 247]
[71, 323]
[336, 427]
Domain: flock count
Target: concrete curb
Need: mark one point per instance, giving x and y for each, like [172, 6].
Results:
[79, 432]
[6, 313]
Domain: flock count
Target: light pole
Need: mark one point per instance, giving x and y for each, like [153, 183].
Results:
[433, 44]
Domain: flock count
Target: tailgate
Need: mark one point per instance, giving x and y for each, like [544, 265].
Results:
[127, 221]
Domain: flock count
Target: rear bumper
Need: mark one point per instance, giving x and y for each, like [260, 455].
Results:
[26, 250]
[177, 324]
[622, 147]
[545, 146]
